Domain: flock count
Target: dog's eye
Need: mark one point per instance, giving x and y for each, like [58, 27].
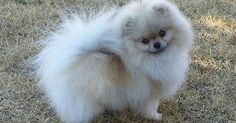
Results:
[162, 33]
[145, 41]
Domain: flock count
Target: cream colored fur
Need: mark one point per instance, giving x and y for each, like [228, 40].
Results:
[87, 67]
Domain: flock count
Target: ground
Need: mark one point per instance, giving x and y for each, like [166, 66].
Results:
[209, 95]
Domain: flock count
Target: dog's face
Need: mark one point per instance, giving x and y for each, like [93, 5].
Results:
[152, 28]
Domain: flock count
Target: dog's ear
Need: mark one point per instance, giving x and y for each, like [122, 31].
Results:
[160, 9]
[128, 22]
[128, 25]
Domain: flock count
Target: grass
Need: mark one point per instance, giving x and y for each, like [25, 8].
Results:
[209, 95]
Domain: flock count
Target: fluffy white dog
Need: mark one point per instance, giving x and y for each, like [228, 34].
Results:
[128, 57]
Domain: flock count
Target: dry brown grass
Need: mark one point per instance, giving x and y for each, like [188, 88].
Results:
[210, 92]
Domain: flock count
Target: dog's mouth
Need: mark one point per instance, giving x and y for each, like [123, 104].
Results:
[156, 51]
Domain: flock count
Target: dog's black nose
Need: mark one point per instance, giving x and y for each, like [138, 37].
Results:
[157, 45]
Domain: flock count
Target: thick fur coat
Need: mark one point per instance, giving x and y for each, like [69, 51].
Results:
[90, 66]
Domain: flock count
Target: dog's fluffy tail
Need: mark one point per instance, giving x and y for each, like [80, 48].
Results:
[77, 37]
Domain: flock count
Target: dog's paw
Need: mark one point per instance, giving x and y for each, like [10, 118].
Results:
[154, 116]
[158, 117]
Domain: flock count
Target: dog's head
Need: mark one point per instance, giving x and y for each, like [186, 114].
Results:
[151, 27]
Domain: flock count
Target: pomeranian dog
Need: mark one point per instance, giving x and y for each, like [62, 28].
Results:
[127, 57]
